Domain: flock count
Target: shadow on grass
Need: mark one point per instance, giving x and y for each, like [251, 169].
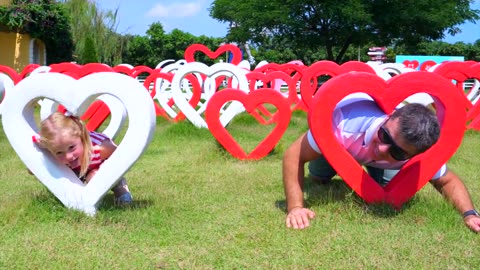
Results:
[108, 203]
[48, 200]
[338, 191]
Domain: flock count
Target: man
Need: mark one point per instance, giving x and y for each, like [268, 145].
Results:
[378, 141]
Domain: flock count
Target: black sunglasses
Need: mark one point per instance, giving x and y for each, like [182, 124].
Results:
[395, 151]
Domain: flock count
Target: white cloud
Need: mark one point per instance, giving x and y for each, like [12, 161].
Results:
[175, 10]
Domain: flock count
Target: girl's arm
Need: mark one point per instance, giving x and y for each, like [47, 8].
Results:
[106, 149]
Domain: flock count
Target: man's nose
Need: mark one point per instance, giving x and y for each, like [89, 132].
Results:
[383, 148]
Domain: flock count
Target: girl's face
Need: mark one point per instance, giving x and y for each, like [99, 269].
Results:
[68, 150]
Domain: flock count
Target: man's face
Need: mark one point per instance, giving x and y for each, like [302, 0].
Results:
[389, 145]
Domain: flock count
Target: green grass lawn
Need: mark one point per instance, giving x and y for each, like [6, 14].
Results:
[196, 207]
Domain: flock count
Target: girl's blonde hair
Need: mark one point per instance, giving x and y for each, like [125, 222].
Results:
[57, 124]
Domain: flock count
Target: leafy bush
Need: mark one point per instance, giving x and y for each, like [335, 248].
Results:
[46, 20]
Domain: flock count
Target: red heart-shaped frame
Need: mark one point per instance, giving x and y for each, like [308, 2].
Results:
[10, 72]
[65, 67]
[91, 68]
[293, 70]
[271, 77]
[474, 114]
[308, 84]
[27, 70]
[142, 70]
[460, 72]
[417, 171]
[194, 48]
[234, 50]
[123, 69]
[250, 101]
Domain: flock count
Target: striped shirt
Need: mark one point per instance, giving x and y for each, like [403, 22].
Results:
[95, 158]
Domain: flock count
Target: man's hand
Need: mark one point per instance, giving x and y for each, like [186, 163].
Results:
[298, 218]
[473, 223]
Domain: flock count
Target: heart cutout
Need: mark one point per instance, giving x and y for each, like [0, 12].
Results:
[195, 48]
[195, 115]
[76, 95]
[309, 83]
[162, 92]
[100, 110]
[95, 115]
[250, 101]
[275, 77]
[417, 171]
[295, 70]
[460, 72]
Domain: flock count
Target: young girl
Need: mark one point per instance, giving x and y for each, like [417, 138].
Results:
[83, 151]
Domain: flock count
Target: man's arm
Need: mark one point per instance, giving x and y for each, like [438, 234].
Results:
[294, 161]
[455, 191]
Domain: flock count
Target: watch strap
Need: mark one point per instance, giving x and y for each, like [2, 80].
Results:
[470, 213]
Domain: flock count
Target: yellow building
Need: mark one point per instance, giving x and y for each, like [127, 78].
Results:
[18, 50]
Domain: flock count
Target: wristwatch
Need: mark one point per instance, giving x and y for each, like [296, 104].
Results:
[470, 212]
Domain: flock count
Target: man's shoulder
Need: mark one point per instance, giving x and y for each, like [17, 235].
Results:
[357, 114]
[359, 107]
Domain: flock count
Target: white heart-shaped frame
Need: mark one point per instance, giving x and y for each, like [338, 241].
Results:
[76, 95]
[164, 94]
[208, 86]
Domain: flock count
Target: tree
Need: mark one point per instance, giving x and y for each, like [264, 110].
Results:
[469, 51]
[156, 38]
[310, 25]
[176, 43]
[88, 22]
[89, 53]
[138, 51]
[157, 46]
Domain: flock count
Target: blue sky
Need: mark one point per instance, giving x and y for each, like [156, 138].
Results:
[191, 16]
[470, 31]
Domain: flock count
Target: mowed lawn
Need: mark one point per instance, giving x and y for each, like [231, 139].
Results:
[197, 207]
